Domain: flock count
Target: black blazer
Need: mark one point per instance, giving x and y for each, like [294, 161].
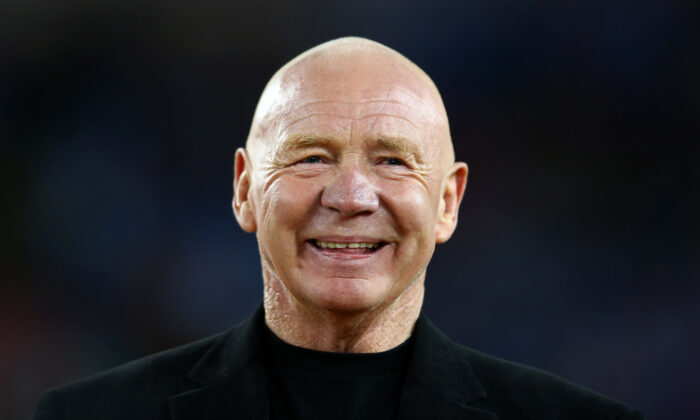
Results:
[223, 377]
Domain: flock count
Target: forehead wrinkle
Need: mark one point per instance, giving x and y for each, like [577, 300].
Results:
[392, 87]
[348, 109]
[387, 98]
[366, 101]
[404, 90]
[316, 114]
[383, 114]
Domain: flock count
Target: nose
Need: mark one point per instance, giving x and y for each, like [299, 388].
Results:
[350, 192]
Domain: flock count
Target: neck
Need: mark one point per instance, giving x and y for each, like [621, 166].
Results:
[369, 331]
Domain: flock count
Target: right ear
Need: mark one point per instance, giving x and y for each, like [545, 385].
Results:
[242, 206]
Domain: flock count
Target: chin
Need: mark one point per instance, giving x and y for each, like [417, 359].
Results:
[347, 296]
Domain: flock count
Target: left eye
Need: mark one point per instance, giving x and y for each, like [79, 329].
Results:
[394, 161]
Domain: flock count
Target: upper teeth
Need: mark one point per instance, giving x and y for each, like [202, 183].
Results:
[347, 244]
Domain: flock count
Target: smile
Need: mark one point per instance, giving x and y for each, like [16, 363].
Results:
[346, 250]
[325, 245]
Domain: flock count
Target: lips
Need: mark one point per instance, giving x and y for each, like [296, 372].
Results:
[325, 245]
[346, 247]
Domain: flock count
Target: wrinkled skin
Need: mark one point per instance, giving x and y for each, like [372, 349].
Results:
[350, 143]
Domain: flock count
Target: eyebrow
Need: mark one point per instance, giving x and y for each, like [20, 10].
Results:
[302, 141]
[393, 144]
[400, 145]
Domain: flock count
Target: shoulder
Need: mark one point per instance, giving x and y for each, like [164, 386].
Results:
[506, 389]
[138, 389]
[522, 391]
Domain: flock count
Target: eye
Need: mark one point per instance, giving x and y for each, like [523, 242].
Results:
[312, 159]
[394, 161]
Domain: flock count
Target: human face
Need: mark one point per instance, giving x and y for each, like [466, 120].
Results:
[347, 188]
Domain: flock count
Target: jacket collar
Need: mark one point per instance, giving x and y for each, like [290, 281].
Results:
[440, 382]
[230, 378]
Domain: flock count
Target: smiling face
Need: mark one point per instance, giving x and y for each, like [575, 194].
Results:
[348, 180]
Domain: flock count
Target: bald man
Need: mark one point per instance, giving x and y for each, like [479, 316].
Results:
[348, 179]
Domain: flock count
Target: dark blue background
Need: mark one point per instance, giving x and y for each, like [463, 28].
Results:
[577, 249]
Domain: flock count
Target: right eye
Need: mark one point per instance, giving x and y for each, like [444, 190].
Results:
[312, 159]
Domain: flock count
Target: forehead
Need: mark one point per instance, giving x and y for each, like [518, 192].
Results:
[383, 108]
[365, 95]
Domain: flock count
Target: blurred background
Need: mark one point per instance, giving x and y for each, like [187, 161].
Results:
[577, 249]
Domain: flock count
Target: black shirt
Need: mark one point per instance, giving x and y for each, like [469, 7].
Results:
[310, 384]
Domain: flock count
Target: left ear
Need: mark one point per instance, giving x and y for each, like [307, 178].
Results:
[452, 194]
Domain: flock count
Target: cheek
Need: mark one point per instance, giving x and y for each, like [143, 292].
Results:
[411, 206]
[286, 204]
[414, 212]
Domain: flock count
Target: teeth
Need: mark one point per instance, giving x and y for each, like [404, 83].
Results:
[321, 244]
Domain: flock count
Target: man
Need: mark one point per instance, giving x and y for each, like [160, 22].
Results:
[348, 180]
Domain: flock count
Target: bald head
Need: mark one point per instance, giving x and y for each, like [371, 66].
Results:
[348, 180]
[347, 71]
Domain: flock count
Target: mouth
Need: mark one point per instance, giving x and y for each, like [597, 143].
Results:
[347, 247]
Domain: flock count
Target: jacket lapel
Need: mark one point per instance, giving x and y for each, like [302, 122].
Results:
[230, 378]
[440, 382]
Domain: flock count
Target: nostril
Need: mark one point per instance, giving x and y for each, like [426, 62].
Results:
[350, 195]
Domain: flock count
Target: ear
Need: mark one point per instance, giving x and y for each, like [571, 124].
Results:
[242, 206]
[452, 194]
